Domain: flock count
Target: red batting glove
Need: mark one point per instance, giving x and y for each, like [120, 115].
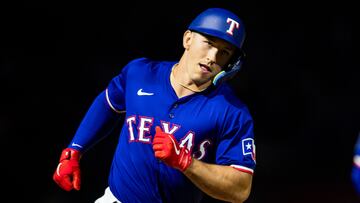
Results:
[168, 150]
[67, 174]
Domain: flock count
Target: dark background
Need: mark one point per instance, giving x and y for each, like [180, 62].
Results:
[300, 81]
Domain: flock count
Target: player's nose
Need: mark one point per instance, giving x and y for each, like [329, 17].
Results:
[211, 56]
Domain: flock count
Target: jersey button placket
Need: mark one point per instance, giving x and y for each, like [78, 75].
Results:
[171, 114]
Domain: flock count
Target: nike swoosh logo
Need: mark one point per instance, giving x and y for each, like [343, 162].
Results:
[141, 93]
[76, 145]
[177, 151]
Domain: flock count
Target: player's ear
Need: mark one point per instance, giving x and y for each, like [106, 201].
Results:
[187, 39]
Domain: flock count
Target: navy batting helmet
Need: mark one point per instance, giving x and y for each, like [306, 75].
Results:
[223, 24]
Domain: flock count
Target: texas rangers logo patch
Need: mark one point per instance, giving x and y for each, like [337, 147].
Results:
[248, 147]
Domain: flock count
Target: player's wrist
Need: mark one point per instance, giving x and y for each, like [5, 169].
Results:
[185, 160]
[70, 154]
[188, 165]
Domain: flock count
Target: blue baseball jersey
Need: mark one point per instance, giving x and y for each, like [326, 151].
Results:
[214, 125]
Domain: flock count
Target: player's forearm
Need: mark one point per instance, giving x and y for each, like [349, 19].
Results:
[220, 182]
[97, 123]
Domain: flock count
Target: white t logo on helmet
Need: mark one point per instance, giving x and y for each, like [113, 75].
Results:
[233, 25]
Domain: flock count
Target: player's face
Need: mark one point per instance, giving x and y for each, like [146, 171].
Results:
[206, 55]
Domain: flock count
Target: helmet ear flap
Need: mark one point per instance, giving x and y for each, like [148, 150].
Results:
[232, 68]
[238, 55]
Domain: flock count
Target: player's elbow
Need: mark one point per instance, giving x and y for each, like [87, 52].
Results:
[242, 195]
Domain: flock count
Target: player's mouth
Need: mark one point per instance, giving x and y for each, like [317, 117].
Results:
[205, 69]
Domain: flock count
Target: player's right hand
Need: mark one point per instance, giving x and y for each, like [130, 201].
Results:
[67, 173]
[167, 149]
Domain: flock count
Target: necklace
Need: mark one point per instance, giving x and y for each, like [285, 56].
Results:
[183, 85]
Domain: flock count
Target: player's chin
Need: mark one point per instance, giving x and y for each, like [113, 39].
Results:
[204, 76]
[202, 80]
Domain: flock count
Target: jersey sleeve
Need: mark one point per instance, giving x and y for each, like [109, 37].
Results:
[115, 93]
[236, 146]
[116, 89]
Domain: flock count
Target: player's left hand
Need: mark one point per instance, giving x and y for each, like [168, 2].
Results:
[167, 149]
[67, 173]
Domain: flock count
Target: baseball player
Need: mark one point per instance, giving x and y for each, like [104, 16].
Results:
[185, 133]
[355, 172]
